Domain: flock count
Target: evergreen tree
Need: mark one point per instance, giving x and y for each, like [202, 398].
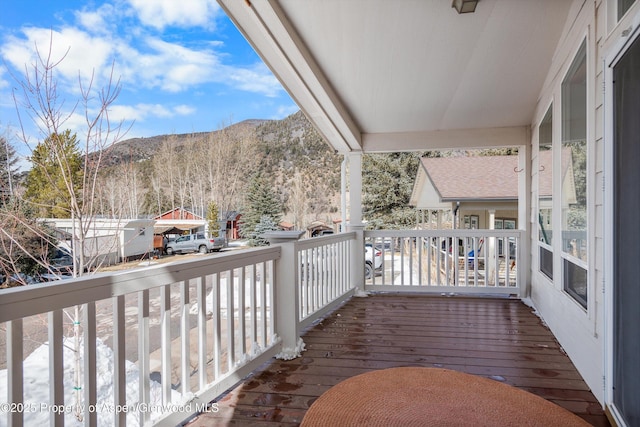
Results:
[266, 224]
[387, 183]
[8, 169]
[261, 201]
[55, 175]
[212, 219]
[25, 244]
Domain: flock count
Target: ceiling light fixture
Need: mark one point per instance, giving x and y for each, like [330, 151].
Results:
[465, 6]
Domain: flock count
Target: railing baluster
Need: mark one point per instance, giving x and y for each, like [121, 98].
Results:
[272, 305]
[411, 260]
[119, 362]
[56, 366]
[253, 309]
[217, 325]
[300, 278]
[393, 263]
[230, 324]
[316, 279]
[419, 244]
[242, 327]
[185, 350]
[429, 260]
[15, 393]
[476, 261]
[143, 353]
[90, 372]
[439, 262]
[165, 341]
[402, 250]
[263, 305]
[202, 331]
[447, 261]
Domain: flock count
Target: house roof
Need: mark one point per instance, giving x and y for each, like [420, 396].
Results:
[483, 178]
[179, 213]
[380, 75]
[473, 178]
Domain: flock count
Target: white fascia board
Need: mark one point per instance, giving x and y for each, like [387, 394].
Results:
[267, 29]
[446, 139]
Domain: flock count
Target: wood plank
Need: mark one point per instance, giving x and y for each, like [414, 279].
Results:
[496, 338]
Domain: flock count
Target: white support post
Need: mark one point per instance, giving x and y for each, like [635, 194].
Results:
[355, 223]
[526, 220]
[493, 259]
[286, 293]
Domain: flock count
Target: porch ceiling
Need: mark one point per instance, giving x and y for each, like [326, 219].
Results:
[378, 75]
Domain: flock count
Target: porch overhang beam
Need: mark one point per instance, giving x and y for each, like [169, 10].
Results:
[273, 37]
[446, 139]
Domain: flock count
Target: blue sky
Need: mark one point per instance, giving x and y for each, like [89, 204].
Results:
[182, 64]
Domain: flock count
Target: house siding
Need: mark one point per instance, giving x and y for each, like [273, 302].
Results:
[581, 332]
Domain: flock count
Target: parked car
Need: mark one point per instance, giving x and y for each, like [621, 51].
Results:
[197, 242]
[61, 263]
[372, 261]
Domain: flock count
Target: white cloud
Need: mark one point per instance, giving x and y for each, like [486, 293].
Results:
[140, 112]
[76, 52]
[112, 34]
[257, 79]
[181, 13]
[184, 110]
[172, 67]
[100, 21]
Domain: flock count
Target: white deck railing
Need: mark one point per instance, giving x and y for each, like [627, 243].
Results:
[324, 270]
[155, 345]
[458, 261]
[192, 328]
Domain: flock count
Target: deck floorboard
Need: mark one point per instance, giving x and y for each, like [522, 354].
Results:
[495, 338]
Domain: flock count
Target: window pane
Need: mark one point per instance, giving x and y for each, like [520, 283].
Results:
[574, 158]
[546, 262]
[623, 6]
[575, 282]
[545, 178]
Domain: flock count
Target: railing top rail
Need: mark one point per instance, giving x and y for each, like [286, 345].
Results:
[443, 233]
[26, 301]
[324, 240]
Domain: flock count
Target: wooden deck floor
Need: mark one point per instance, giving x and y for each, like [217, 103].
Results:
[496, 338]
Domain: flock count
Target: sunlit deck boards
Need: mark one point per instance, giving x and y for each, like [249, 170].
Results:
[496, 338]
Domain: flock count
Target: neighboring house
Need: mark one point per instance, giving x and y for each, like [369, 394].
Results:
[286, 226]
[109, 241]
[233, 224]
[179, 221]
[538, 75]
[178, 213]
[481, 191]
[318, 228]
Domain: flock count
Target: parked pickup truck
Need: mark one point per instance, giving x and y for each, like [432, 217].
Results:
[195, 243]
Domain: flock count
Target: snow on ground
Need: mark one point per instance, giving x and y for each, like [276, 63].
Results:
[36, 389]
[223, 297]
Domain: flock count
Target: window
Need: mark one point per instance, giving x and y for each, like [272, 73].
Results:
[623, 6]
[546, 262]
[574, 175]
[575, 282]
[545, 193]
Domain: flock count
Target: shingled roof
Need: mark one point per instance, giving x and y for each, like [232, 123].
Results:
[481, 178]
[473, 178]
